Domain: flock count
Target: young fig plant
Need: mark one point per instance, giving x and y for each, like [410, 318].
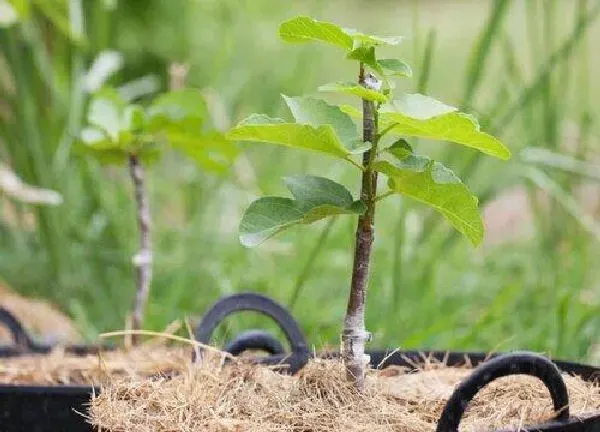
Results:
[118, 132]
[387, 120]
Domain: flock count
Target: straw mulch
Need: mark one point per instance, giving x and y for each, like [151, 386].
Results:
[241, 397]
[60, 368]
[39, 317]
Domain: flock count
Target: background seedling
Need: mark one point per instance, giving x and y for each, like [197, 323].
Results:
[119, 132]
[387, 121]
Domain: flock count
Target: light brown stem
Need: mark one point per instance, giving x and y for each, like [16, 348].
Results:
[354, 335]
[143, 259]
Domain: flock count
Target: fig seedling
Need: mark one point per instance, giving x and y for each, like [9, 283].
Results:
[118, 132]
[387, 121]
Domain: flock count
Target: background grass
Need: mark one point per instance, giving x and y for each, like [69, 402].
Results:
[525, 68]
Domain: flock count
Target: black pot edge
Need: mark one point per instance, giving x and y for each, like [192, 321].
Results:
[379, 359]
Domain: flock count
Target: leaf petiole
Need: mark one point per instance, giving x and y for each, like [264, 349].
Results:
[384, 195]
[386, 130]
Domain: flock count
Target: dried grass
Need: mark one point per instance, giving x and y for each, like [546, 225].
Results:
[60, 368]
[41, 318]
[242, 397]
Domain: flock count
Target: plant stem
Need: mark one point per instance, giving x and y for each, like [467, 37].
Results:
[143, 259]
[354, 335]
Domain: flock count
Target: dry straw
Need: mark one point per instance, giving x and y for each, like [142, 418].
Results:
[155, 387]
[242, 397]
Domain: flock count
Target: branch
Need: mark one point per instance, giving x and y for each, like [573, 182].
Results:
[354, 335]
[143, 259]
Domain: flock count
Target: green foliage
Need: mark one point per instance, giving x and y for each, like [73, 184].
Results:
[306, 29]
[436, 186]
[414, 248]
[416, 115]
[355, 89]
[315, 198]
[116, 129]
[330, 129]
[319, 127]
[395, 68]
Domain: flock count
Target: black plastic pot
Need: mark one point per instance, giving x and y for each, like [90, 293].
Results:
[60, 408]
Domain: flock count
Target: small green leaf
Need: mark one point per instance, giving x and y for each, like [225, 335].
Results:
[317, 112]
[355, 89]
[435, 185]
[401, 149]
[306, 29]
[134, 118]
[302, 136]
[178, 110]
[315, 198]
[95, 138]
[366, 55]
[395, 67]
[420, 116]
[105, 111]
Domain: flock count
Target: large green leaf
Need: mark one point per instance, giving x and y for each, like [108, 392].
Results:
[435, 185]
[262, 128]
[315, 198]
[355, 89]
[305, 29]
[317, 112]
[420, 116]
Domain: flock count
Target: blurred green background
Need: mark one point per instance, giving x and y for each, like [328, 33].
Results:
[525, 68]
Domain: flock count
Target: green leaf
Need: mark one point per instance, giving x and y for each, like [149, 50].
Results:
[435, 185]
[366, 55]
[134, 118]
[355, 89]
[395, 67]
[362, 39]
[178, 110]
[420, 116]
[105, 111]
[306, 29]
[21, 7]
[400, 149]
[261, 128]
[96, 138]
[353, 112]
[211, 151]
[317, 112]
[315, 198]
